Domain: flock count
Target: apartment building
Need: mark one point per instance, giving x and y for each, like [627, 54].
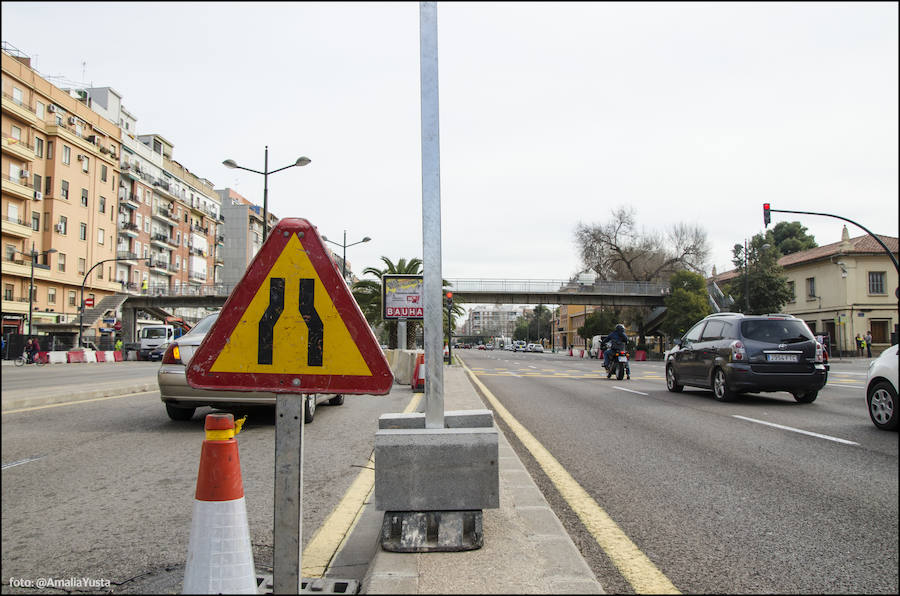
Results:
[243, 234]
[496, 320]
[60, 178]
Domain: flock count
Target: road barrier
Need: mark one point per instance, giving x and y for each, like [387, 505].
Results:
[418, 378]
[220, 558]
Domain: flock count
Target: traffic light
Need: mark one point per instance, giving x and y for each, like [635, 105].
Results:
[767, 217]
[448, 299]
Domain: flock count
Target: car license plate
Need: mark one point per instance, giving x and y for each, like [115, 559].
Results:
[623, 359]
[781, 357]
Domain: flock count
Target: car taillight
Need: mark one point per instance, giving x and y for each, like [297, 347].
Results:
[172, 355]
[820, 353]
[737, 351]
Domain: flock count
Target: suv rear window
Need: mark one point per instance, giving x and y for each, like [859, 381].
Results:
[776, 331]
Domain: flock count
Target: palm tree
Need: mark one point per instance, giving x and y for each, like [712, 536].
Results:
[368, 295]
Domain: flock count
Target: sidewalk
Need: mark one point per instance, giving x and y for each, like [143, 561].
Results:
[526, 549]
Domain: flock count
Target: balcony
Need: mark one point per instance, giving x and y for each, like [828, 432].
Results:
[161, 240]
[127, 198]
[16, 227]
[19, 109]
[128, 257]
[129, 229]
[18, 148]
[197, 252]
[160, 266]
[199, 229]
[20, 188]
[166, 215]
[132, 171]
[68, 133]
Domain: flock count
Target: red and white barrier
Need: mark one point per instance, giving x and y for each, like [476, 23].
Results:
[220, 558]
[418, 379]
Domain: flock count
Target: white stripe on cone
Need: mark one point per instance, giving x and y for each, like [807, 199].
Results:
[220, 558]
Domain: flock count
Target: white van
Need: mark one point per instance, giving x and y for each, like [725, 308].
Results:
[596, 349]
[154, 336]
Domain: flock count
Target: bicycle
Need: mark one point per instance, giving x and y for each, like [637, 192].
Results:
[23, 360]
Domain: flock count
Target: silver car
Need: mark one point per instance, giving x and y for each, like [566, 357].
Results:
[182, 400]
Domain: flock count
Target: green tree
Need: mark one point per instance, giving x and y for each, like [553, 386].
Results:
[791, 237]
[599, 322]
[368, 296]
[758, 270]
[687, 304]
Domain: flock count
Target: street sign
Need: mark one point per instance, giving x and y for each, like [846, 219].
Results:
[402, 296]
[89, 302]
[291, 326]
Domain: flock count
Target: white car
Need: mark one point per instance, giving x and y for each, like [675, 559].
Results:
[881, 390]
[534, 348]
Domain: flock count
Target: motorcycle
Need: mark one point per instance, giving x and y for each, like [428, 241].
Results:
[618, 363]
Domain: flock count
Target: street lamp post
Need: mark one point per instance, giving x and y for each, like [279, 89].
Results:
[84, 281]
[230, 163]
[344, 255]
[33, 255]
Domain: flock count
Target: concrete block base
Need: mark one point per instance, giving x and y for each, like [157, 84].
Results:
[445, 469]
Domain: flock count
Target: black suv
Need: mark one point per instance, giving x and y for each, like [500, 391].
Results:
[732, 353]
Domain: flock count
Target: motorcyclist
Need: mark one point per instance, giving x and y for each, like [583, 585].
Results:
[617, 340]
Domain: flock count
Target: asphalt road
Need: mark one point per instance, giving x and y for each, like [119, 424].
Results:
[105, 489]
[80, 376]
[718, 501]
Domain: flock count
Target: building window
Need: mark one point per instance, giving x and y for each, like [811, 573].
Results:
[38, 147]
[810, 287]
[793, 291]
[82, 231]
[46, 221]
[71, 297]
[67, 155]
[81, 265]
[147, 224]
[10, 252]
[100, 238]
[48, 184]
[99, 272]
[35, 221]
[8, 291]
[102, 204]
[876, 282]
[84, 197]
[51, 295]
[39, 109]
[84, 163]
[65, 189]
[137, 220]
[15, 132]
[61, 261]
[49, 150]
[137, 249]
[63, 224]
[103, 173]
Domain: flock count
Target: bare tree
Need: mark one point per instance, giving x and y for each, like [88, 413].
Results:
[617, 250]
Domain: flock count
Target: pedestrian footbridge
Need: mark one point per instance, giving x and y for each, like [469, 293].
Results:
[555, 291]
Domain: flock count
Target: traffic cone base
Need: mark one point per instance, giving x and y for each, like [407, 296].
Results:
[220, 557]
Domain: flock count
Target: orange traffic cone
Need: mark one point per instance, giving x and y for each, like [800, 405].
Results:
[220, 558]
[418, 378]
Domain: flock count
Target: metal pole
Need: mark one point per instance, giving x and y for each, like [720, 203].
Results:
[287, 528]
[431, 216]
[344, 258]
[31, 293]
[266, 195]
[746, 278]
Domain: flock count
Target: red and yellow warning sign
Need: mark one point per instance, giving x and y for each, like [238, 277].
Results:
[291, 326]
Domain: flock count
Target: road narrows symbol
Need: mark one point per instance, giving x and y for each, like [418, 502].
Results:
[269, 318]
[313, 322]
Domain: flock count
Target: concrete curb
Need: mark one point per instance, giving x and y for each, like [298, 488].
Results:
[16, 402]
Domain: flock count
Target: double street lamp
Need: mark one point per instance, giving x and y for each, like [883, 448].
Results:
[33, 255]
[344, 246]
[230, 163]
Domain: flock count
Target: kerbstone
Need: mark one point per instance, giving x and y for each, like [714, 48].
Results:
[452, 419]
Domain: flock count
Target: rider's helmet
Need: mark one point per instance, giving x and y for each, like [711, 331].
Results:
[620, 327]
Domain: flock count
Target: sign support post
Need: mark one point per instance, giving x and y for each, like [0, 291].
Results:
[287, 527]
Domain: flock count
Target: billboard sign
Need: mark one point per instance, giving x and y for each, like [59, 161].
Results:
[402, 297]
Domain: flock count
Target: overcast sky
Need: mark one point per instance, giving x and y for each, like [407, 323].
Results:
[551, 114]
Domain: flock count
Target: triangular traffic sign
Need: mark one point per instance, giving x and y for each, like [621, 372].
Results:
[291, 326]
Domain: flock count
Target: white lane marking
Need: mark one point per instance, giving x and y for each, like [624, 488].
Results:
[629, 390]
[22, 461]
[797, 430]
[529, 366]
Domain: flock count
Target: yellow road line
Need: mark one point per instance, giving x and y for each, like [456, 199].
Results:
[339, 524]
[72, 403]
[637, 569]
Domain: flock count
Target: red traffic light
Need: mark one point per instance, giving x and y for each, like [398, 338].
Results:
[449, 294]
[767, 217]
